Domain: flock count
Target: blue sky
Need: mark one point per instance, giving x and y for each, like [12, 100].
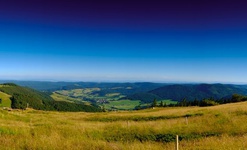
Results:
[124, 41]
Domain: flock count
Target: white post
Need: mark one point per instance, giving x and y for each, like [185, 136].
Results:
[186, 119]
[176, 148]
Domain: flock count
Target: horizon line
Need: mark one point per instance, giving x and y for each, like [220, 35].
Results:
[127, 81]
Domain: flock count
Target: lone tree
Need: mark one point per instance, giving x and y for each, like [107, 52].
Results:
[161, 104]
[0, 101]
[154, 103]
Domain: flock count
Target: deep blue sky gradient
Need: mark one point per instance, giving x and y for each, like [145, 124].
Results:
[172, 41]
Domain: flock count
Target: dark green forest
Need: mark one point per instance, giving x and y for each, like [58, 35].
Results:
[190, 92]
[202, 103]
[212, 102]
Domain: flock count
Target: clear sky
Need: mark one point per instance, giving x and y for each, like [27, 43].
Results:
[169, 41]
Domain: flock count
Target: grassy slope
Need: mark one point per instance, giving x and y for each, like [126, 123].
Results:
[6, 102]
[219, 127]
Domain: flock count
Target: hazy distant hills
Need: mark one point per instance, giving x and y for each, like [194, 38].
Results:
[191, 92]
[123, 88]
[39, 85]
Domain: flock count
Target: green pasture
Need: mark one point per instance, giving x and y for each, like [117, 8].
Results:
[6, 102]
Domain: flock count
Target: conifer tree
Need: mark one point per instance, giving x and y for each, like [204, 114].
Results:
[154, 103]
[161, 104]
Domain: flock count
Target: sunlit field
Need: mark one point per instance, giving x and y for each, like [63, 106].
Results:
[219, 127]
[5, 100]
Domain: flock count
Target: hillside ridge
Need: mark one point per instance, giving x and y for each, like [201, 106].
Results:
[191, 92]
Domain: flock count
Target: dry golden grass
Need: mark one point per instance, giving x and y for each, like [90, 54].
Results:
[32, 129]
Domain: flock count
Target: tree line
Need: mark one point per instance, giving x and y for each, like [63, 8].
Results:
[201, 103]
[212, 101]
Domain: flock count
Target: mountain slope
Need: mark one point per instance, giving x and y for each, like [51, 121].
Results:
[192, 91]
[22, 97]
[200, 91]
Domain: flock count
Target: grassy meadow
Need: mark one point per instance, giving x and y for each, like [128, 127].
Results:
[219, 127]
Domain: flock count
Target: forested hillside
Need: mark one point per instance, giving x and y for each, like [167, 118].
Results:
[22, 97]
[191, 92]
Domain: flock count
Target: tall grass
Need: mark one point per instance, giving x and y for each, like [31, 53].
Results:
[218, 127]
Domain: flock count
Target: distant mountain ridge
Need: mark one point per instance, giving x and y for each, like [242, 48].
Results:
[124, 88]
[191, 92]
